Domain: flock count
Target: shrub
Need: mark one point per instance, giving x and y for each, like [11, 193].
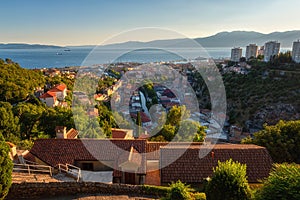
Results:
[199, 196]
[229, 181]
[5, 168]
[283, 183]
[155, 190]
[179, 191]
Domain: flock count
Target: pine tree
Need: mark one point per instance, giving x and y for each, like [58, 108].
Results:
[5, 168]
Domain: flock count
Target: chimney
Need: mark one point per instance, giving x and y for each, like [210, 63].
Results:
[61, 132]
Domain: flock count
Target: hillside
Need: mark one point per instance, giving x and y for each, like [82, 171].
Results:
[222, 39]
[265, 95]
[16, 83]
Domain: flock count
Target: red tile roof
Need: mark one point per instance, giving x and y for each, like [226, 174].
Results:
[72, 133]
[153, 148]
[55, 151]
[190, 168]
[58, 88]
[117, 133]
[48, 94]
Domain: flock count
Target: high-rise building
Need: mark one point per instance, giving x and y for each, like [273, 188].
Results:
[261, 51]
[251, 51]
[272, 48]
[236, 54]
[296, 51]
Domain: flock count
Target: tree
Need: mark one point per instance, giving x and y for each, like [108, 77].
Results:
[229, 181]
[168, 132]
[190, 131]
[179, 191]
[29, 116]
[5, 168]
[283, 183]
[177, 114]
[284, 137]
[138, 123]
[9, 124]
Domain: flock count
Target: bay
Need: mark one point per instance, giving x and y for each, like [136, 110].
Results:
[75, 56]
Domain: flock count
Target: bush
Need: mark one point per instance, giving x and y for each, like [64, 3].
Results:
[283, 183]
[229, 181]
[5, 168]
[283, 137]
[199, 196]
[155, 190]
[179, 191]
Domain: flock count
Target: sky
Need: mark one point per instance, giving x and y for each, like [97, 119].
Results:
[86, 22]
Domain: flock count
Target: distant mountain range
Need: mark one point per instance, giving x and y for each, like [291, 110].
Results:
[27, 46]
[222, 39]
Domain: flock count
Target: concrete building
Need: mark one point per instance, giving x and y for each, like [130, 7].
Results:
[296, 51]
[236, 54]
[261, 51]
[251, 51]
[272, 48]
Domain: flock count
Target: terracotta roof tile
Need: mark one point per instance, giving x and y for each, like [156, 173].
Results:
[58, 88]
[55, 151]
[192, 169]
[48, 94]
[72, 133]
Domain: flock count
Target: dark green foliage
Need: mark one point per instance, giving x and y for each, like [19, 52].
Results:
[229, 181]
[247, 94]
[9, 124]
[179, 128]
[283, 183]
[155, 190]
[5, 168]
[179, 191]
[17, 83]
[282, 141]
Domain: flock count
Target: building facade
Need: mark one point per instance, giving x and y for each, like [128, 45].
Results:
[251, 51]
[236, 54]
[272, 48]
[296, 51]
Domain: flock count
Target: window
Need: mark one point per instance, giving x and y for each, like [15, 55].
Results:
[88, 166]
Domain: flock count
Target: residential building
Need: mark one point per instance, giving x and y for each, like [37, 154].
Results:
[52, 97]
[261, 51]
[251, 51]
[236, 54]
[156, 163]
[60, 90]
[62, 133]
[272, 48]
[49, 98]
[296, 51]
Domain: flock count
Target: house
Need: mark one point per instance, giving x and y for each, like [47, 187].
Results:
[156, 163]
[49, 98]
[52, 97]
[125, 158]
[62, 133]
[60, 90]
[192, 167]
[122, 133]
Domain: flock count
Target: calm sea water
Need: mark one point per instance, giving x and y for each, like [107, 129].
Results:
[47, 58]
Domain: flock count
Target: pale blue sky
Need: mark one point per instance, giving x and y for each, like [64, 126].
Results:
[78, 22]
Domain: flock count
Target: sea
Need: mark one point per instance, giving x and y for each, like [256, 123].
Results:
[83, 56]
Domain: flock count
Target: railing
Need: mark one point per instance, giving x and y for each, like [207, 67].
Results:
[71, 170]
[33, 168]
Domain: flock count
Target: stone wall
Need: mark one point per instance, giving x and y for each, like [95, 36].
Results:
[27, 190]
